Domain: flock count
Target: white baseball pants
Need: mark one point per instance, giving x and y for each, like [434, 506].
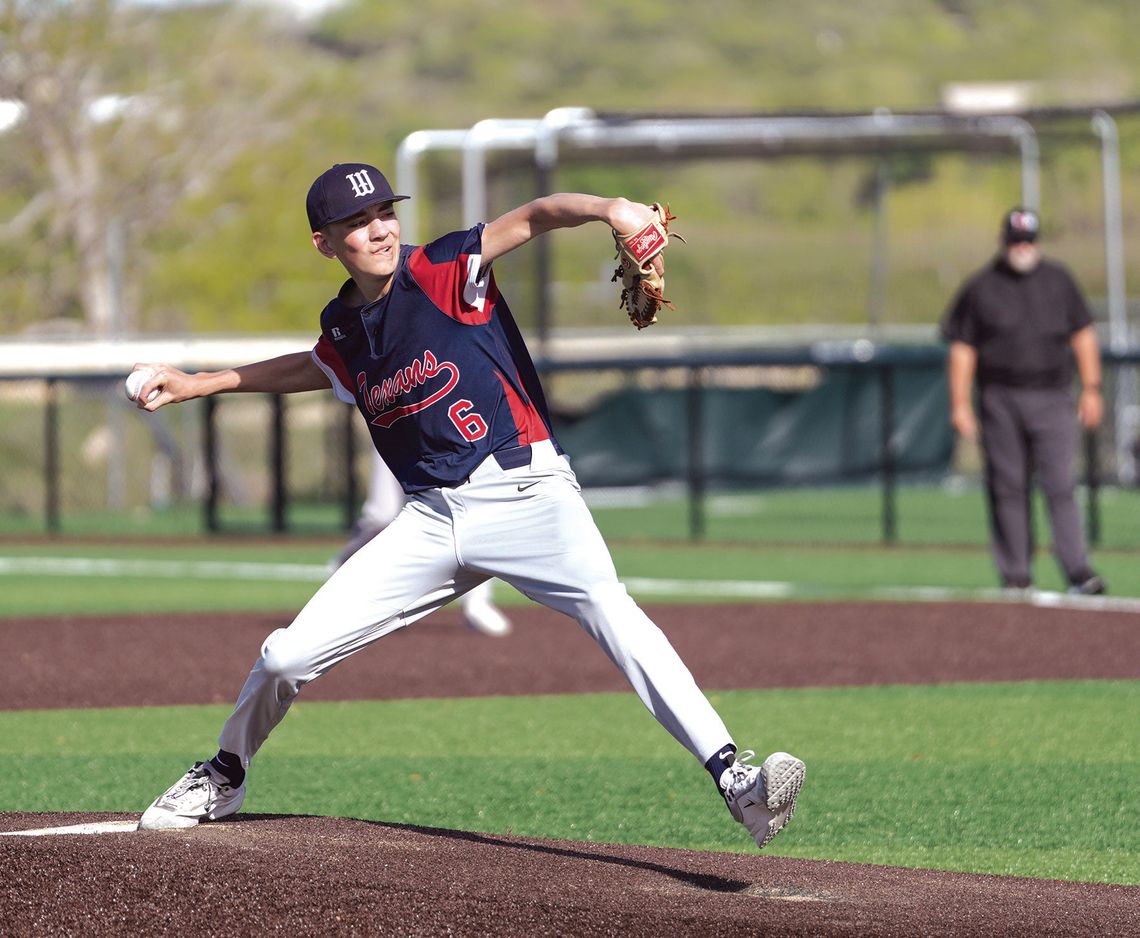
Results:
[384, 500]
[528, 526]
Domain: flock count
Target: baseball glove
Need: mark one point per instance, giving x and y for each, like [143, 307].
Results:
[643, 288]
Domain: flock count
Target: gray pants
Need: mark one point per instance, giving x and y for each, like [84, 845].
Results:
[1027, 432]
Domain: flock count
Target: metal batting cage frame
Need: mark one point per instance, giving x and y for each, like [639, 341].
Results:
[575, 135]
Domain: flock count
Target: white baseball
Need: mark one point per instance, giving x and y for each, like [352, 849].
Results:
[135, 381]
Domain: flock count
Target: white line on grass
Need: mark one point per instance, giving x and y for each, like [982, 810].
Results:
[645, 586]
[745, 589]
[175, 569]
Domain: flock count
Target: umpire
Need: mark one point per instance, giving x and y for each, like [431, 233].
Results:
[1016, 326]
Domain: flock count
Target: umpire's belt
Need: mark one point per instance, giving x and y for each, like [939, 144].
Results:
[518, 456]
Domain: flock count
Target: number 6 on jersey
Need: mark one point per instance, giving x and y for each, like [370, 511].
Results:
[468, 422]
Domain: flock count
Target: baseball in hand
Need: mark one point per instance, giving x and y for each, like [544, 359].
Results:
[135, 381]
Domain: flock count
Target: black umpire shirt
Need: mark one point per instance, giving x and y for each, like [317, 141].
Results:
[1020, 324]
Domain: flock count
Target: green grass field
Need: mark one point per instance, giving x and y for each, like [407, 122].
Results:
[925, 516]
[1035, 779]
[76, 576]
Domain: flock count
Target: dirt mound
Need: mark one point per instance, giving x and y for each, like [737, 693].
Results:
[263, 874]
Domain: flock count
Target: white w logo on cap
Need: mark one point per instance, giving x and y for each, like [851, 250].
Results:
[361, 183]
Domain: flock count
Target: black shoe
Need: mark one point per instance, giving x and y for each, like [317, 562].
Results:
[1090, 586]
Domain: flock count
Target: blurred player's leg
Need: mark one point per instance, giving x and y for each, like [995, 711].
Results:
[481, 614]
[384, 500]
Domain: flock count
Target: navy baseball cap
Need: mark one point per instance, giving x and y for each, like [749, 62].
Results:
[1020, 225]
[343, 190]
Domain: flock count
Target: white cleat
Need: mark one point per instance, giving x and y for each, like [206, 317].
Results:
[763, 798]
[201, 794]
[482, 615]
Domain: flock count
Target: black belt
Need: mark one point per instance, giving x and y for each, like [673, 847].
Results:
[517, 456]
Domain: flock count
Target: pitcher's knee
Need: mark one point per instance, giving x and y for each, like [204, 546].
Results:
[283, 664]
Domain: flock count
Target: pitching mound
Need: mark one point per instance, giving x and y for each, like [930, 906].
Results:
[263, 874]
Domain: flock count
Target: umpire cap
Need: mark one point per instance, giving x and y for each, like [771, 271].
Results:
[343, 190]
[1019, 225]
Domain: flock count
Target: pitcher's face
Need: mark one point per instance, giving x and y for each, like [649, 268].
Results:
[367, 243]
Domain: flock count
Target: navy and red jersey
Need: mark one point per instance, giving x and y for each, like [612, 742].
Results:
[437, 365]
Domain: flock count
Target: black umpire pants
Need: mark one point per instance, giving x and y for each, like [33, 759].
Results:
[1027, 432]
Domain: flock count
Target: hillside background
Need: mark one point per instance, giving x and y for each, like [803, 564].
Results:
[272, 99]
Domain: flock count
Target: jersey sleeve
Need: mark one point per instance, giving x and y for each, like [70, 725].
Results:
[332, 365]
[451, 273]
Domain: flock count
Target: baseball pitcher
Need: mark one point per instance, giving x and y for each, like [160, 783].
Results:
[422, 342]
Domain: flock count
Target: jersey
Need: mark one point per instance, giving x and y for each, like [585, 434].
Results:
[1020, 324]
[437, 366]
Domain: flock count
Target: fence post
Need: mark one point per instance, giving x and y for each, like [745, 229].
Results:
[51, 457]
[1092, 485]
[887, 411]
[696, 458]
[210, 447]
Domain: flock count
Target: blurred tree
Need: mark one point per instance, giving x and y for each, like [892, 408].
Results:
[123, 111]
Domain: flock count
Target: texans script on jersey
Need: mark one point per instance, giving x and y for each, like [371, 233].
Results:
[437, 366]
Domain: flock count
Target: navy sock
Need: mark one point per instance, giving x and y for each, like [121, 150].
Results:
[229, 764]
[723, 758]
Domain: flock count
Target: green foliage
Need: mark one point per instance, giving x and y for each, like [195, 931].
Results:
[742, 54]
[786, 243]
[964, 777]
